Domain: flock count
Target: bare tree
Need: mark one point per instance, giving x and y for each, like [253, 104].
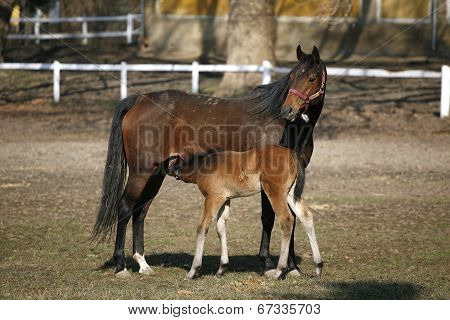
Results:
[149, 17]
[251, 38]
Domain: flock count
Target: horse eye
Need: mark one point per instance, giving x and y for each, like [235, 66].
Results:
[312, 79]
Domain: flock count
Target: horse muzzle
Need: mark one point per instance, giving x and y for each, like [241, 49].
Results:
[290, 114]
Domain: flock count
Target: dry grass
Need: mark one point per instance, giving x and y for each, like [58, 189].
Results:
[381, 206]
[387, 245]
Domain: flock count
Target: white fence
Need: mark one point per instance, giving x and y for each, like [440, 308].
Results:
[195, 68]
[85, 34]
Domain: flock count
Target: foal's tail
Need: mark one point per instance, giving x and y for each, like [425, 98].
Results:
[299, 182]
[114, 177]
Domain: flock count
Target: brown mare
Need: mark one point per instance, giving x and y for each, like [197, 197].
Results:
[148, 129]
[226, 175]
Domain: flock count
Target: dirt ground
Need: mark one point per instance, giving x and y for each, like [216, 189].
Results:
[378, 184]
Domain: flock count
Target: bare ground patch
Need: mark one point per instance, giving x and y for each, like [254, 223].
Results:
[378, 184]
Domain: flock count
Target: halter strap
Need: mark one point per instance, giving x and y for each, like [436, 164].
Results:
[320, 92]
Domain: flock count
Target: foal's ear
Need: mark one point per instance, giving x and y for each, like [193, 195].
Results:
[316, 55]
[300, 54]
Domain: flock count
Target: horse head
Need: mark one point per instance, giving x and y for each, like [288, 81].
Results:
[307, 85]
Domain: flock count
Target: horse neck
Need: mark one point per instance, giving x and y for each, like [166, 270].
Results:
[315, 112]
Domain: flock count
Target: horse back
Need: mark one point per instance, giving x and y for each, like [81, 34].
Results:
[166, 123]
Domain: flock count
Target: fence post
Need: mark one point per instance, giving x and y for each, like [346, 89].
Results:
[141, 24]
[56, 80]
[37, 27]
[195, 77]
[445, 91]
[84, 30]
[267, 72]
[123, 80]
[129, 28]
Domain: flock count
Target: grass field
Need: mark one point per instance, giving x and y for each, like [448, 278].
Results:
[380, 196]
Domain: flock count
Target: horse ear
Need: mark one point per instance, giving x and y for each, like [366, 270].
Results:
[316, 55]
[300, 54]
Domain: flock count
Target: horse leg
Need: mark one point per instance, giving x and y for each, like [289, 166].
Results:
[292, 265]
[222, 218]
[133, 190]
[306, 218]
[267, 219]
[119, 249]
[286, 222]
[212, 206]
[150, 191]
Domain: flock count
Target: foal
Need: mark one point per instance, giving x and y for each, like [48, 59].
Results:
[225, 175]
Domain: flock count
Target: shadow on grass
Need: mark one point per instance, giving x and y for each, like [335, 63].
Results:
[364, 290]
[181, 260]
[210, 264]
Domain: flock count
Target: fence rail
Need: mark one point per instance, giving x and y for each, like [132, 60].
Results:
[85, 34]
[266, 69]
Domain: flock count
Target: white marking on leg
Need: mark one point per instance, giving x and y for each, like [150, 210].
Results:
[211, 208]
[222, 218]
[308, 222]
[282, 261]
[306, 218]
[144, 268]
[284, 251]
[197, 262]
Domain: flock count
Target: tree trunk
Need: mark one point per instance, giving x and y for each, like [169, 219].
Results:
[5, 16]
[149, 18]
[251, 37]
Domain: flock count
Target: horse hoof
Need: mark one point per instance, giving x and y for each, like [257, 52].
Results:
[274, 274]
[147, 272]
[124, 274]
[191, 275]
[220, 273]
[319, 268]
[295, 273]
[318, 273]
[268, 264]
[222, 269]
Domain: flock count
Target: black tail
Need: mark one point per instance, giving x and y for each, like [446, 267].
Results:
[300, 182]
[114, 177]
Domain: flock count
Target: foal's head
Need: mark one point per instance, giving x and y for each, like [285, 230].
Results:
[307, 85]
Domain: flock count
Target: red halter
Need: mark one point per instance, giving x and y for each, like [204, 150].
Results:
[307, 99]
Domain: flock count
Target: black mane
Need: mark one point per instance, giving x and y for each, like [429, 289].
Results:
[268, 98]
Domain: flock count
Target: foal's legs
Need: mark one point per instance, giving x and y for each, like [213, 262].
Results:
[268, 219]
[150, 191]
[211, 207]
[222, 218]
[306, 218]
[286, 222]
